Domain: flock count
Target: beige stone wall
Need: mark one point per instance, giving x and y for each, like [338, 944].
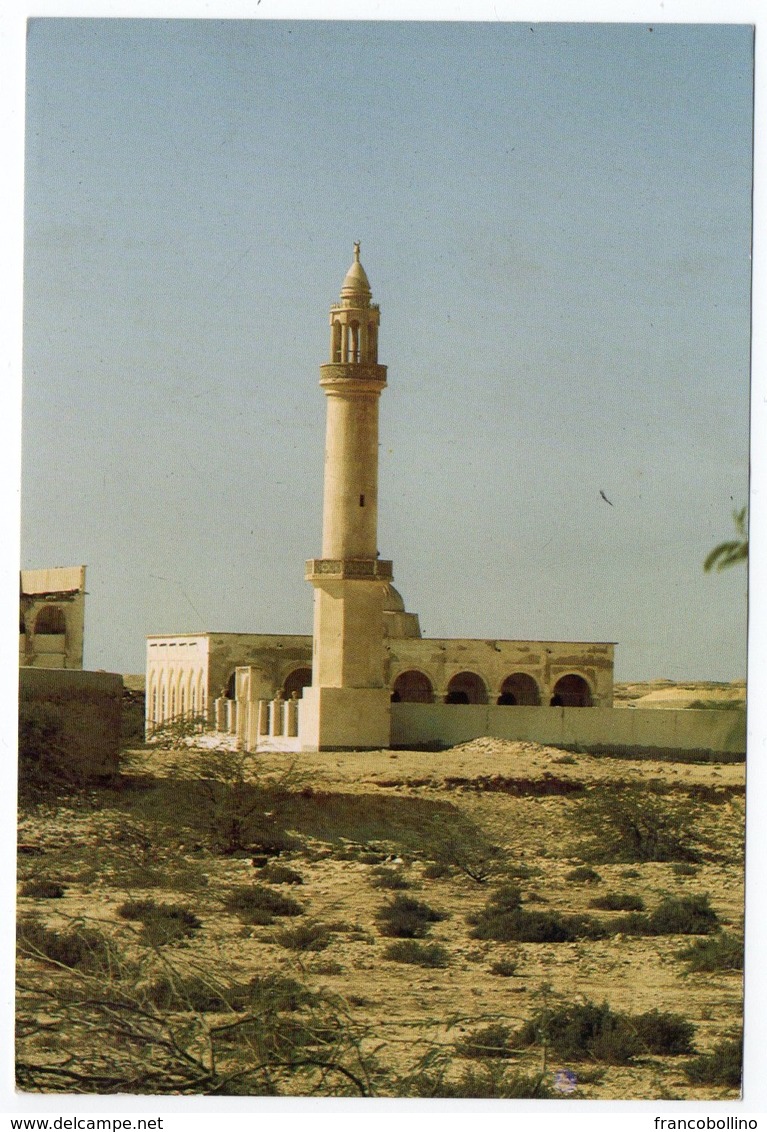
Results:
[196, 667]
[87, 709]
[718, 731]
[177, 680]
[52, 618]
[493, 661]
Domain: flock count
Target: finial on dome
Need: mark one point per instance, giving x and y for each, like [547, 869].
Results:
[356, 284]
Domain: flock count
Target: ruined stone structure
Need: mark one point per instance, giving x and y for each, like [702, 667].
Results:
[52, 617]
[366, 653]
[186, 673]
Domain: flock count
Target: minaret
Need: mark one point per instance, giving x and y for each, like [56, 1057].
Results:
[347, 706]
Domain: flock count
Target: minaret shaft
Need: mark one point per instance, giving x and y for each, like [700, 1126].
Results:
[350, 505]
[347, 706]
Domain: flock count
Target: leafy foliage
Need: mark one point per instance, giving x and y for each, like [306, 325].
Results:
[309, 936]
[406, 918]
[618, 902]
[586, 1030]
[255, 904]
[417, 954]
[734, 551]
[503, 919]
[490, 1041]
[722, 1066]
[717, 953]
[162, 923]
[43, 889]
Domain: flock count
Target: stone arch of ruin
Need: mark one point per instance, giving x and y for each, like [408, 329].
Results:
[296, 680]
[50, 621]
[572, 690]
[519, 689]
[411, 686]
[466, 688]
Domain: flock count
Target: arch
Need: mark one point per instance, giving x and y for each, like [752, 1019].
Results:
[466, 688]
[231, 686]
[182, 701]
[50, 620]
[412, 687]
[335, 346]
[571, 691]
[353, 341]
[296, 681]
[520, 688]
[201, 702]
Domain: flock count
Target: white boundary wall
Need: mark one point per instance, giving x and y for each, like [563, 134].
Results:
[687, 729]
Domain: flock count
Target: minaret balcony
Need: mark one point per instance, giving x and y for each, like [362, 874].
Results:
[344, 569]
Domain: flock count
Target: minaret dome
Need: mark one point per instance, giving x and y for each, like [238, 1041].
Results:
[354, 319]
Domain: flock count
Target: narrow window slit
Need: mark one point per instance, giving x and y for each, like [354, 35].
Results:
[362, 501]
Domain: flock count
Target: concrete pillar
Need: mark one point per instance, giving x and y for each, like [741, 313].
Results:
[291, 717]
[263, 717]
[220, 710]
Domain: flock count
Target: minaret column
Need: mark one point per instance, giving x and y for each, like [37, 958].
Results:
[348, 704]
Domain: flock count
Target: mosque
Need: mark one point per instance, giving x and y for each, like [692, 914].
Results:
[338, 689]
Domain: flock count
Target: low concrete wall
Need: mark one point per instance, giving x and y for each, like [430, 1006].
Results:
[588, 728]
[84, 709]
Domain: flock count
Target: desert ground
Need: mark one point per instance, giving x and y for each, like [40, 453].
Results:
[220, 923]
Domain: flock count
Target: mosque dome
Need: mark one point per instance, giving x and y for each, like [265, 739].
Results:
[393, 602]
[356, 282]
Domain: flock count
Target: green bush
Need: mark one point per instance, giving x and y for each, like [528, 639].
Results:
[723, 1066]
[407, 918]
[664, 1033]
[489, 1080]
[685, 915]
[490, 1041]
[255, 904]
[161, 923]
[502, 919]
[179, 993]
[436, 871]
[307, 936]
[80, 948]
[683, 869]
[583, 875]
[586, 1030]
[716, 953]
[389, 878]
[618, 902]
[43, 889]
[279, 874]
[418, 954]
[504, 968]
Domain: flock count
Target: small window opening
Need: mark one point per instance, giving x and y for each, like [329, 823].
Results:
[362, 501]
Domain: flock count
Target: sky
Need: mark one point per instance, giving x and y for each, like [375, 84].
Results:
[556, 222]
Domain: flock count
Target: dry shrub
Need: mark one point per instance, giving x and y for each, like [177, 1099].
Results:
[722, 1066]
[618, 902]
[490, 1041]
[161, 923]
[717, 953]
[417, 954]
[406, 918]
[255, 904]
[586, 1030]
[307, 936]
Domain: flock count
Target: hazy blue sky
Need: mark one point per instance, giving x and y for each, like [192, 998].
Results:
[555, 220]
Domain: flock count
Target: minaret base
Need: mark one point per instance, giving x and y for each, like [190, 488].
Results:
[345, 719]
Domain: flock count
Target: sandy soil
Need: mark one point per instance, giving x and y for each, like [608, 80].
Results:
[405, 1006]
